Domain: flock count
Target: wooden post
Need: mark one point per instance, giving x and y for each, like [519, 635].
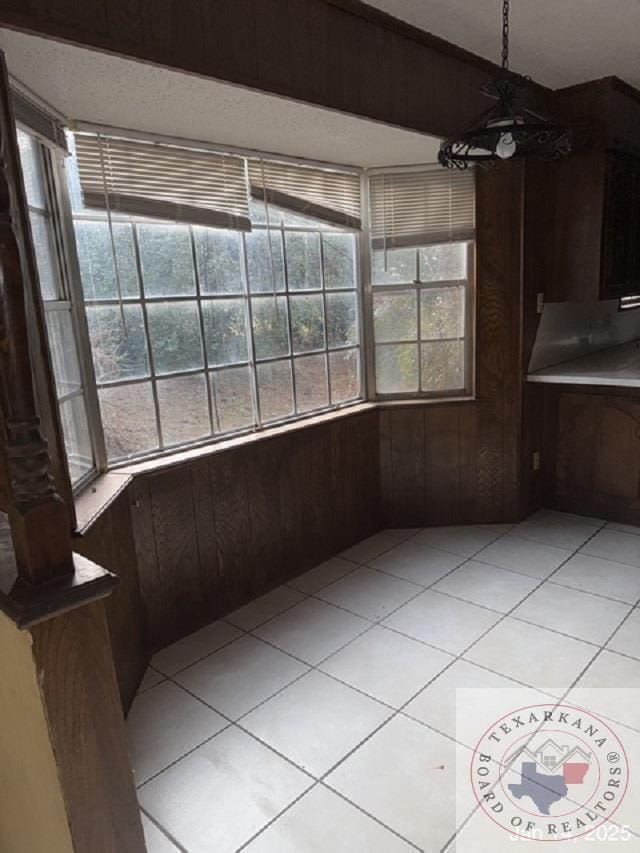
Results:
[66, 784]
[39, 518]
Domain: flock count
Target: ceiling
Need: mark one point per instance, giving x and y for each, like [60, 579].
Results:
[556, 42]
[96, 87]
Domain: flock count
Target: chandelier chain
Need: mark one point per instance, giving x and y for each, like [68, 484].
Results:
[505, 33]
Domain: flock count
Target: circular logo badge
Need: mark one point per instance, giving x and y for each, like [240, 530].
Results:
[549, 772]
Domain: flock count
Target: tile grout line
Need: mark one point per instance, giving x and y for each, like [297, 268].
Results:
[571, 686]
[373, 623]
[161, 829]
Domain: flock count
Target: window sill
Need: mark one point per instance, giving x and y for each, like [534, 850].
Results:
[102, 491]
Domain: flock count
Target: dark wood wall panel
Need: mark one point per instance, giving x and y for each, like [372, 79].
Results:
[461, 462]
[110, 542]
[75, 668]
[214, 533]
[340, 54]
[593, 447]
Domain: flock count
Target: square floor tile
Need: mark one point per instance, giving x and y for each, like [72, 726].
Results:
[316, 721]
[155, 840]
[240, 676]
[221, 795]
[370, 594]
[603, 577]
[370, 548]
[195, 646]
[312, 630]
[417, 563]
[487, 585]
[150, 679]
[386, 665]
[611, 687]
[442, 621]
[163, 724]
[462, 539]
[320, 576]
[264, 608]
[523, 555]
[612, 670]
[563, 531]
[623, 528]
[405, 776]
[627, 638]
[439, 706]
[614, 545]
[579, 614]
[535, 656]
[322, 822]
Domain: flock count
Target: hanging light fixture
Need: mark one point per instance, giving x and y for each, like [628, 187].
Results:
[508, 129]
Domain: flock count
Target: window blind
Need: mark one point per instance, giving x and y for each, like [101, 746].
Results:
[330, 196]
[412, 209]
[37, 120]
[163, 181]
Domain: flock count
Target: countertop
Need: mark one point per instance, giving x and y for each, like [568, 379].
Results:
[617, 366]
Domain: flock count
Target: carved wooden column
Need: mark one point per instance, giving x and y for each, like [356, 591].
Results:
[39, 518]
[65, 773]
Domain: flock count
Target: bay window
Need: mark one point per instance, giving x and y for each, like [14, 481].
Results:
[199, 332]
[208, 294]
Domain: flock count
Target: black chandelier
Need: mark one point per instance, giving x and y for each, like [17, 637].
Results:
[508, 129]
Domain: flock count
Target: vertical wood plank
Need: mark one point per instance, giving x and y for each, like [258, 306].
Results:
[443, 464]
[73, 657]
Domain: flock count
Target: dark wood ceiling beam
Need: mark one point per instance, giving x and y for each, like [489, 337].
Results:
[340, 54]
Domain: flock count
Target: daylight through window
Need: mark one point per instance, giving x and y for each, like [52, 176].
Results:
[199, 332]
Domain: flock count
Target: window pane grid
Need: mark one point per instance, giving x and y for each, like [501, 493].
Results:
[246, 346]
[46, 227]
[415, 353]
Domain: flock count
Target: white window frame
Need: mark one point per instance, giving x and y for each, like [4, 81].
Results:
[51, 161]
[58, 190]
[369, 288]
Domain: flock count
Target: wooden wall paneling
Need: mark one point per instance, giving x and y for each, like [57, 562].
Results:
[125, 17]
[264, 44]
[409, 496]
[499, 234]
[468, 466]
[578, 437]
[442, 450]
[178, 603]
[270, 558]
[355, 489]
[597, 454]
[272, 42]
[109, 541]
[310, 49]
[305, 498]
[386, 469]
[75, 666]
[232, 508]
[617, 456]
[229, 35]
[206, 544]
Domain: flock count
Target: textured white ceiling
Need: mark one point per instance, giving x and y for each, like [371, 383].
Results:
[95, 87]
[557, 42]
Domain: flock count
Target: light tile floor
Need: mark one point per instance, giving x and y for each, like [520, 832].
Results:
[322, 716]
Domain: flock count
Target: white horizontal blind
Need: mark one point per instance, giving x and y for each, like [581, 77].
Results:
[38, 121]
[163, 181]
[421, 208]
[328, 195]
